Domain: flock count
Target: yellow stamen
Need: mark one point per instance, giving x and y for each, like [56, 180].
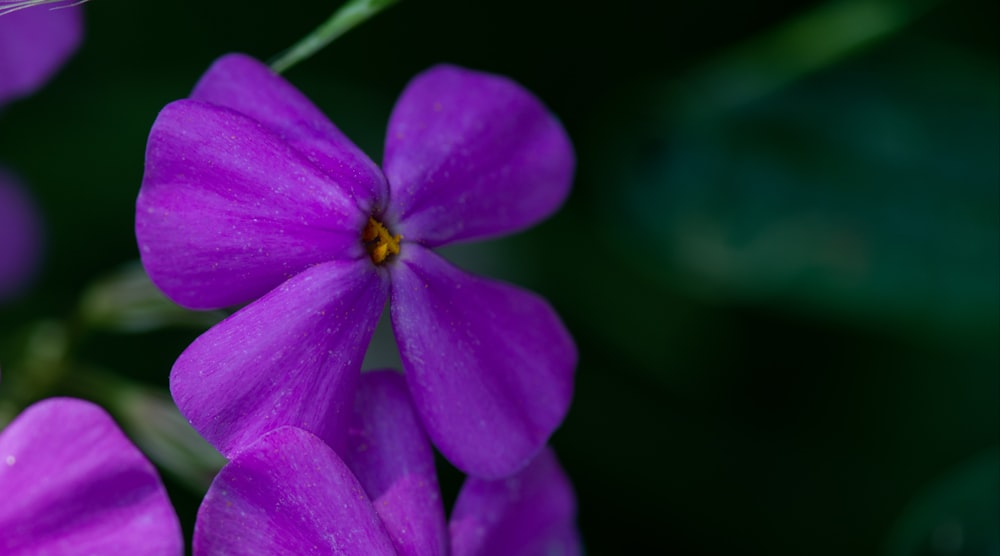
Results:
[379, 242]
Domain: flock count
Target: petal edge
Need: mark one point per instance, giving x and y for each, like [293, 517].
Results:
[490, 366]
[227, 210]
[73, 483]
[244, 84]
[292, 357]
[288, 493]
[470, 155]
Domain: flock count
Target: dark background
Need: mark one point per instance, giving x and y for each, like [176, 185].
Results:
[779, 259]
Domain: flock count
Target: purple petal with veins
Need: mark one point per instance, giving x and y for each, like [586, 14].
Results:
[239, 82]
[471, 155]
[288, 493]
[72, 483]
[228, 210]
[490, 366]
[391, 456]
[532, 513]
[292, 357]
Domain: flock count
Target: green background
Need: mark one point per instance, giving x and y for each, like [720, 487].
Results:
[779, 259]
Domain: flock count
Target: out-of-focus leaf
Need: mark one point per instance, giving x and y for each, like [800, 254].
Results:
[34, 360]
[152, 419]
[867, 191]
[957, 515]
[127, 301]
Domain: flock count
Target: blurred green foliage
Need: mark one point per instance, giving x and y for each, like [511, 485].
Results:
[784, 287]
[868, 191]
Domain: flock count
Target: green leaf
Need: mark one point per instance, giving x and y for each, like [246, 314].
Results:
[868, 191]
[957, 515]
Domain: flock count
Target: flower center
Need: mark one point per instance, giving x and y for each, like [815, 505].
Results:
[379, 242]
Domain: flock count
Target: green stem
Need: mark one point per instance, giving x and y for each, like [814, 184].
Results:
[348, 16]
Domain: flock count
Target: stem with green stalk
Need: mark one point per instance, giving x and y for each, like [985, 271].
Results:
[347, 17]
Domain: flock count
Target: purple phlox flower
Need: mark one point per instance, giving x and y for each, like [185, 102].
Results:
[34, 44]
[289, 493]
[20, 236]
[251, 193]
[72, 483]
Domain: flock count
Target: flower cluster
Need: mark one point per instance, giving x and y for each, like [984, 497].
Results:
[251, 197]
[74, 484]
[290, 493]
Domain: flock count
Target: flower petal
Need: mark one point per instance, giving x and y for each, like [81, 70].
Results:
[227, 210]
[390, 455]
[34, 44]
[292, 357]
[20, 237]
[490, 366]
[288, 493]
[244, 84]
[72, 483]
[531, 513]
[469, 155]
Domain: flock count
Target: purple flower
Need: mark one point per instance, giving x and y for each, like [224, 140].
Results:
[72, 483]
[34, 43]
[20, 236]
[289, 493]
[250, 191]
